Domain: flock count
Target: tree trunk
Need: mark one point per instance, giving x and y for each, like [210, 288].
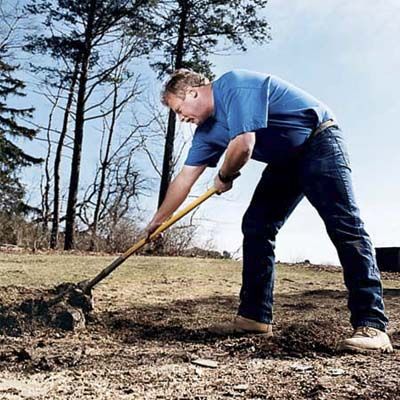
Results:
[104, 165]
[69, 242]
[168, 157]
[57, 162]
[170, 136]
[47, 178]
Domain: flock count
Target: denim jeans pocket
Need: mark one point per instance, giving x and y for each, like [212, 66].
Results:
[328, 150]
[341, 145]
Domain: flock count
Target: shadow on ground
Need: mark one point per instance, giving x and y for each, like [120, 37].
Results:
[303, 324]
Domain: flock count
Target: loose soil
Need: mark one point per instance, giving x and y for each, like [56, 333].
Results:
[148, 328]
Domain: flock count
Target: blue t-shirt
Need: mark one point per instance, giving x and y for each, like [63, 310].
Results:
[281, 115]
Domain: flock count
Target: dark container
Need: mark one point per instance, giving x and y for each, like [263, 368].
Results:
[388, 258]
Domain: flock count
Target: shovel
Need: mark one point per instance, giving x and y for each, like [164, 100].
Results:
[84, 288]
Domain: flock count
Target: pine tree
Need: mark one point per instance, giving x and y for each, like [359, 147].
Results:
[12, 157]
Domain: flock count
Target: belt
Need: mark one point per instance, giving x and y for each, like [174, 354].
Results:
[325, 125]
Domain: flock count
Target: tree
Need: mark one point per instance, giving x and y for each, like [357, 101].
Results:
[12, 157]
[190, 31]
[86, 35]
[57, 159]
[115, 162]
[123, 183]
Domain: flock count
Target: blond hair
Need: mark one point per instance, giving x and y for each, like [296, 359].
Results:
[179, 81]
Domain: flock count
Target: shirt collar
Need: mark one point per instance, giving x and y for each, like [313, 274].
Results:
[217, 112]
[217, 109]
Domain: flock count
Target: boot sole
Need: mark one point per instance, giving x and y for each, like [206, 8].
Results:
[354, 349]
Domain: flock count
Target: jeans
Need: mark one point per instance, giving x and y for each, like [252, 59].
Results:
[321, 172]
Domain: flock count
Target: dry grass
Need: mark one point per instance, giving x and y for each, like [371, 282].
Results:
[149, 280]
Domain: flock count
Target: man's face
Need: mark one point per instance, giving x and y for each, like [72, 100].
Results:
[194, 108]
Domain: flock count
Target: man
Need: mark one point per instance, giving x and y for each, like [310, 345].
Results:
[259, 116]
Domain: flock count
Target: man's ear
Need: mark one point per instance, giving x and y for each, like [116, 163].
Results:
[193, 92]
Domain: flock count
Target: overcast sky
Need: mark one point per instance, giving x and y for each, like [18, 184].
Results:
[345, 53]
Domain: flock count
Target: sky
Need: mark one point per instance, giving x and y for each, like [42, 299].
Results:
[346, 54]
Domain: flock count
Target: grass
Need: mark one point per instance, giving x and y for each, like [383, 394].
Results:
[149, 279]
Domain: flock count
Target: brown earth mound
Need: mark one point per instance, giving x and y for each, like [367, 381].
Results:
[64, 307]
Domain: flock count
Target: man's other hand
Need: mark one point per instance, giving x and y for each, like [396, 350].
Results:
[221, 186]
[150, 229]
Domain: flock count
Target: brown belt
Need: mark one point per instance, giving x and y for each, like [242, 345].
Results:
[325, 125]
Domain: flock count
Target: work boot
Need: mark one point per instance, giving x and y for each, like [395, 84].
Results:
[366, 339]
[241, 325]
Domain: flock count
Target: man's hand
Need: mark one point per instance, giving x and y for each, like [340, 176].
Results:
[151, 228]
[221, 186]
[177, 192]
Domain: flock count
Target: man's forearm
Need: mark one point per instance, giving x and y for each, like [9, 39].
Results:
[237, 154]
[233, 163]
[177, 192]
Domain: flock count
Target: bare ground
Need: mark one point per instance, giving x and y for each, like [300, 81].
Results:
[149, 328]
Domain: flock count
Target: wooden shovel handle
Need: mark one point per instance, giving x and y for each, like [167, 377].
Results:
[88, 285]
[174, 218]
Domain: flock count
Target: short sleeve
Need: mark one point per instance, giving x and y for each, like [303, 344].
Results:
[208, 145]
[203, 154]
[246, 110]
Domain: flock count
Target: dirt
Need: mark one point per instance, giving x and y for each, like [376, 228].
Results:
[149, 350]
[66, 307]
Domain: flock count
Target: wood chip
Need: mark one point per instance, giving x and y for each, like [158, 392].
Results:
[203, 362]
[301, 367]
[241, 387]
[336, 371]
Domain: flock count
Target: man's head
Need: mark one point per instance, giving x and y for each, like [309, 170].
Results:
[189, 94]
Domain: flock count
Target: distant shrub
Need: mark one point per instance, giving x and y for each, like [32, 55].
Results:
[16, 230]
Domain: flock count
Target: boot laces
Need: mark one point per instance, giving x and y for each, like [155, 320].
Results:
[365, 331]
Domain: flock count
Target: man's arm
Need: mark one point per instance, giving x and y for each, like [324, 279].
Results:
[177, 192]
[238, 153]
